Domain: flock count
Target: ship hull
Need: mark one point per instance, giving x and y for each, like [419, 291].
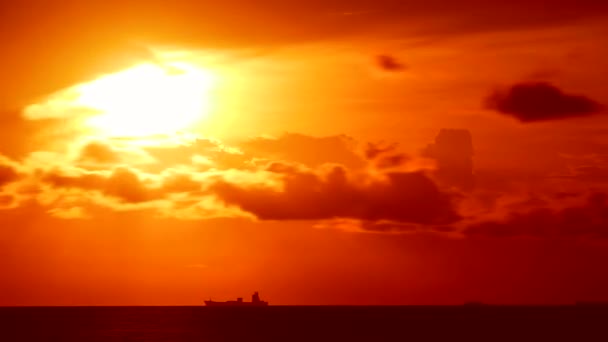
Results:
[235, 304]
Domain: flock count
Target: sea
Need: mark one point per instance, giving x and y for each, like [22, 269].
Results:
[304, 323]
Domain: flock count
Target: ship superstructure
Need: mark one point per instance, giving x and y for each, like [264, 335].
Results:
[255, 301]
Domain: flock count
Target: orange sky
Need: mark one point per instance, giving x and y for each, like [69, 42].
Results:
[333, 152]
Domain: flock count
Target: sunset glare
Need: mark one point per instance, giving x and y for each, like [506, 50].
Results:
[323, 152]
[148, 99]
[143, 100]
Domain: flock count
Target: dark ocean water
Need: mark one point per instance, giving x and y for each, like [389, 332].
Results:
[293, 323]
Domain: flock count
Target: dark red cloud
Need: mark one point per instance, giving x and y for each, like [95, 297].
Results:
[453, 152]
[374, 150]
[540, 101]
[334, 193]
[587, 220]
[384, 156]
[126, 185]
[8, 174]
[389, 63]
[122, 183]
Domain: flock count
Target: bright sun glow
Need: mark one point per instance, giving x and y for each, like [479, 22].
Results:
[148, 99]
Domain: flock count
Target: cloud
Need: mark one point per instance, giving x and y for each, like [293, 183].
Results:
[540, 101]
[122, 183]
[8, 172]
[389, 63]
[383, 156]
[589, 173]
[70, 213]
[307, 150]
[587, 220]
[20, 136]
[126, 185]
[180, 183]
[7, 201]
[203, 153]
[98, 152]
[332, 192]
[453, 151]
[589, 169]
[7, 175]
[327, 181]
[183, 188]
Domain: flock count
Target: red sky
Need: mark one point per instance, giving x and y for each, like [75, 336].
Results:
[329, 152]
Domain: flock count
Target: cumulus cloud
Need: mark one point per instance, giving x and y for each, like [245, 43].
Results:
[333, 192]
[453, 152]
[122, 183]
[7, 175]
[378, 197]
[540, 101]
[374, 188]
[384, 156]
[177, 182]
[8, 172]
[104, 154]
[106, 173]
[98, 152]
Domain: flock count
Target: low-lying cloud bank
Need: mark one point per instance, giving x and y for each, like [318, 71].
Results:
[374, 187]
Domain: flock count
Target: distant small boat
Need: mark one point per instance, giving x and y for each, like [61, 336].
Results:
[255, 301]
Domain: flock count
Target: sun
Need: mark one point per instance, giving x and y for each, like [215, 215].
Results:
[148, 99]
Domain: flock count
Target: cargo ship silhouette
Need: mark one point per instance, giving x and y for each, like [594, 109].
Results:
[255, 301]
